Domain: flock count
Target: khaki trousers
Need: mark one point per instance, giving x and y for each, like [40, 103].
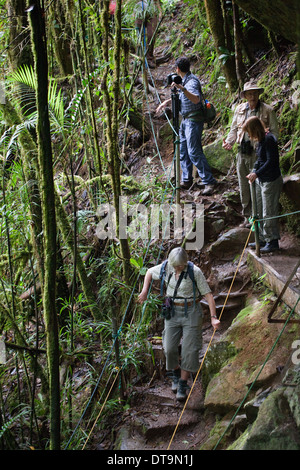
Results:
[244, 166]
[188, 327]
[267, 200]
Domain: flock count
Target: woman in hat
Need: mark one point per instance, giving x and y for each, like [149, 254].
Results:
[266, 172]
[185, 321]
[246, 156]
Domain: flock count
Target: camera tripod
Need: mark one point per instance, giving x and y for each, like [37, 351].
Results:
[176, 139]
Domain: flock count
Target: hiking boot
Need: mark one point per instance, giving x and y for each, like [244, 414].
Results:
[181, 391]
[253, 245]
[175, 380]
[208, 190]
[186, 184]
[270, 246]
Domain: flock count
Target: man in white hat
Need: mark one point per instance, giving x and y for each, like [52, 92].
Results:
[246, 156]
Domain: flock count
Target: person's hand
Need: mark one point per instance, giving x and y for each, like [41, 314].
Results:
[177, 85]
[251, 177]
[215, 323]
[142, 297]
[226, 145]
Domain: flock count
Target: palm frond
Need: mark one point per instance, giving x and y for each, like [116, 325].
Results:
[26, 96]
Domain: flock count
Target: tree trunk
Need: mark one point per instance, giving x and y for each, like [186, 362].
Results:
[61, 33]
[38, 34]
[239, 65]
[29, 150]
[31, 172]
[112, 120]
[19, 52]
[216, 23]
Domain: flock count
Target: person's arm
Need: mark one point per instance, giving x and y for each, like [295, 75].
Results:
[144, 293]
[273, 124]
[212, 308]
[232, 136]
[194, 98]
[163, 105]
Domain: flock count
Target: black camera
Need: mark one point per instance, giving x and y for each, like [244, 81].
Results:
[173, 77]
[167, 308]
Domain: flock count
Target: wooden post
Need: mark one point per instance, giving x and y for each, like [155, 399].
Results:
[254, 216]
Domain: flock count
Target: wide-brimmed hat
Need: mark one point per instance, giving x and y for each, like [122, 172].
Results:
[251, 86]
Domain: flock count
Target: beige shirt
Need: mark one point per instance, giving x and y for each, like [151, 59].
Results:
[265, 112]
[185, 289]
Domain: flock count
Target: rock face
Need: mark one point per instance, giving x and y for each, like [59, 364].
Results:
[274, 428]
[291, 187]
[257, 380]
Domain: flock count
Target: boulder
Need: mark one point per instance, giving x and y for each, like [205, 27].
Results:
[230, 243]
[291, 187]
[274, 428]
[218, 158]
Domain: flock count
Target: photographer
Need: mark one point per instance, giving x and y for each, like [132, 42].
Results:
[185, 318]
[246, 156]
[191, 128]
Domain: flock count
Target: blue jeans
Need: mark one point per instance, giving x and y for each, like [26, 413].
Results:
[191, 152]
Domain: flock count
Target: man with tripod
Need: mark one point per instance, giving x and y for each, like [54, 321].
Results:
[191, 128]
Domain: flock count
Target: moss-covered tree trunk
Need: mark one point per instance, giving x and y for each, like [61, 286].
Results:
[30, 166]
[61, 34]
[239, 64]
[19, 52]
[216, 21]
[38, 34]
[112, 120]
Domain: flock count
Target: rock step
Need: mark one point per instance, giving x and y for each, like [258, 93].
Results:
[163, 411]
[158, 424]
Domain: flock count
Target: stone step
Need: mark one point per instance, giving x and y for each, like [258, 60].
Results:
[161, 395]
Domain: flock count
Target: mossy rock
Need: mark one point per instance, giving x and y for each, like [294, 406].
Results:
[216, 358]
[274, 428]
[217, 157]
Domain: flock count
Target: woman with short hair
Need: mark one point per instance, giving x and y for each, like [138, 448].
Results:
[185, 321]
